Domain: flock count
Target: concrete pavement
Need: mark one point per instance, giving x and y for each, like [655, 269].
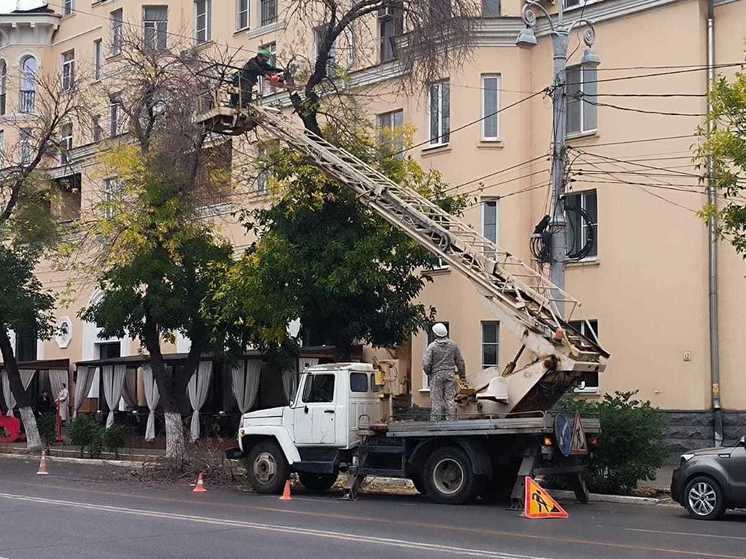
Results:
[97, 512]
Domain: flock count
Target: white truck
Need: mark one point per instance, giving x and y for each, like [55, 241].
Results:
[334, 424]
[331, 424]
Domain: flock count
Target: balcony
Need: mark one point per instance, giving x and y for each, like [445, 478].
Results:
[27, 101]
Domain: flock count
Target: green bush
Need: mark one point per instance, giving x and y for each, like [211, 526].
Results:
[47, 425]
[631, 448]
[114, 438]
[86, 433]
[3, 433]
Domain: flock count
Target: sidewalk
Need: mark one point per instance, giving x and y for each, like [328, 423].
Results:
[69, 451]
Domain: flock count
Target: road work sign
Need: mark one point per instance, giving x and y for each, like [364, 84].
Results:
[538, 503]
[579, 442]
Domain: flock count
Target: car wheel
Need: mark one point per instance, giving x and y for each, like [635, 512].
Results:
[448, 477]
[317, 483]
[267, 468]
[704, 499]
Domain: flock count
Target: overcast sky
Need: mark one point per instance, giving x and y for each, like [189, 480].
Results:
[10, 5]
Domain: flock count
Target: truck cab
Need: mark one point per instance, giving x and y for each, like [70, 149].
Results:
[316, 432]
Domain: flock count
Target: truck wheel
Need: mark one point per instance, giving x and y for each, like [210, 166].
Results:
[317, 483]
[704, 499]
[267, 468]
[448, 476]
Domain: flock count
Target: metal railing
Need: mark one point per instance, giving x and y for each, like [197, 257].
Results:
[27, 101]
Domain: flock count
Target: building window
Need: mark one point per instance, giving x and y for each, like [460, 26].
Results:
[439, 113]
[490, 107]
[2, 149]
[431, 339]
[588, 328]
[27, 142]
[264, 88]
[490, 8]
[67, 7]
[573, 3]
[68, 69]
[155, 27]
[112, 195]
[27, 102]
[242, 14]
[116, 117]
[390, 26]
[66, 142]
[202, 21]
[26, 344]
[390, 133]
[490, 344]
[109, 350]
[97, 59]
[319, 35]
[490, 224]
[98, 131]
[582, 227]
[269, 11]
[581, 96]
[117, 37]
[3, 85]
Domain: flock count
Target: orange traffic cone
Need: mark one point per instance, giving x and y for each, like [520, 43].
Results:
[200, 487]
[286, 492]
[43, 467]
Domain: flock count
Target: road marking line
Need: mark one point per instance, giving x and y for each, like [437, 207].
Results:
[695, 534]
[343, 536]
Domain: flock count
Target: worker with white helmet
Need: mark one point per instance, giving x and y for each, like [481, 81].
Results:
[441, 362]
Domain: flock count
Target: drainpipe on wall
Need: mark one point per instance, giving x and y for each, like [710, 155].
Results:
[712, 264]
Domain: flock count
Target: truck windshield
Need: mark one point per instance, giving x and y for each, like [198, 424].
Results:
[318, 388]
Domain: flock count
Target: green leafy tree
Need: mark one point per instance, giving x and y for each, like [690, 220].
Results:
[726, 147]
[325, 258]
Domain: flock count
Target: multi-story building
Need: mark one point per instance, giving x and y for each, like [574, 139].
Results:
[644, 280]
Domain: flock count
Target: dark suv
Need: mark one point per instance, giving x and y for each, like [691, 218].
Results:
[710, 480]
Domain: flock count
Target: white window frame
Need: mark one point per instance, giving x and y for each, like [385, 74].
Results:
[112, 189]
[393, 16]
[68, 70]
[3, 86]
[490, 110]
[331, 61]
[583, 197]
[273, 17]
[483, 223]
[117, 31]
[116, 124]
[2, 148]
[207, 14]
[583, 106]
[482, 324]
[98, 131]
[25, 141]
[159, 26]
[98, 59]
[66, 142]
[243, 7]
[68, 7]
[386, 123]
[442, 136]
[583, 327]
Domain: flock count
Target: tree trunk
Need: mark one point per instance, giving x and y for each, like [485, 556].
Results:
[33, 440]
[175, 443]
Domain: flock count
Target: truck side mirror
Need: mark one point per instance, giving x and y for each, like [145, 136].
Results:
[742, 442]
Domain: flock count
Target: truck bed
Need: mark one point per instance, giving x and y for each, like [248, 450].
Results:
[543, 423]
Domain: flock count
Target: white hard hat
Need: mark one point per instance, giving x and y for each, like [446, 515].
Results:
[440, 330]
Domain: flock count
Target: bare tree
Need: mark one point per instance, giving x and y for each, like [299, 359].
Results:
[31, 144]
[426, 37]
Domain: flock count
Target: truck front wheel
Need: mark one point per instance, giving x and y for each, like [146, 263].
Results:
[267, 468]
[448, 477]
[317, 483]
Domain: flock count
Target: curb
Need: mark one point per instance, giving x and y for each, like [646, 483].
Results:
[66, 460]
[601, 498]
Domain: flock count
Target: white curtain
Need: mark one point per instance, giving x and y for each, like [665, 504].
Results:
[246, 383]
[113, 377]
[58, 377]
[197, 390]
[152, 396]
[27, 376]
[83, 386]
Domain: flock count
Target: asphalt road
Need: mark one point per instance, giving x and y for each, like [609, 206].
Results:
[95, 512]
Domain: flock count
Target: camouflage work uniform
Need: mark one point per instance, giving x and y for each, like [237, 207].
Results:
[442, 359]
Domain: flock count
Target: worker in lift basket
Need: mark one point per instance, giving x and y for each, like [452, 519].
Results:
[441, 363]
[248, 77]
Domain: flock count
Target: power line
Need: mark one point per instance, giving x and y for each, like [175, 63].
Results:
[673, 66]
[644, 140]
[521, 164]
[514, 193]
[635, 110]
[650, 95]
[484, 187]
[653, 167]
[657, 74]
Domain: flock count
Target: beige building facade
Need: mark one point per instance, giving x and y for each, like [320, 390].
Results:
[644, 284]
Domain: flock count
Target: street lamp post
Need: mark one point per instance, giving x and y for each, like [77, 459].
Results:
[560, 34]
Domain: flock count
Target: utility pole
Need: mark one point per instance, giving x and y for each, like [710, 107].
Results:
[560, 37]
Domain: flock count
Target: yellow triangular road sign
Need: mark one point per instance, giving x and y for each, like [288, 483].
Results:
[538, 503]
